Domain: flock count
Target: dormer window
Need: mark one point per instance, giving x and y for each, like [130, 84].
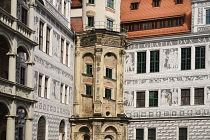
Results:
[179, 1]
[156, 3]
[134, 6]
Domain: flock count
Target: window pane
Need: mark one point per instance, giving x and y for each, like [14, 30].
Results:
[199, 96]
[153, 98]
[182, 133]
[88, 90]
[154, 61]
[139, 134]
[185, 58]
[141, 62]
[151, 134]
[140, 99]
[207, 16]
[200, 57]
[185, 97]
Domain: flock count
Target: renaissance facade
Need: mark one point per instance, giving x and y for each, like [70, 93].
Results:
[167, 72]
[53, 75]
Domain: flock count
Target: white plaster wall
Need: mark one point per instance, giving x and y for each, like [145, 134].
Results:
[76, 12]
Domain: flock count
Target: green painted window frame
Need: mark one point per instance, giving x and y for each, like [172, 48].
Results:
[154, 61]
[153, 99]
[152, 134]
[91, 1]
[141, 62]
[108, 93]
[182, 133]
[140, 99]
[110, 4]
[185, 58]
[109, 73]
[89, 69]
[88, 90]
[200, 57]
[139, 134]
[199, 96]
[208, 16]
[109, 24]
[90, 21]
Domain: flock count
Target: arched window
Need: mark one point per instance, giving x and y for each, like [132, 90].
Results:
[86, 137]
[62, 130]
[3, 121]
[4, 58]
[21, 66]
[41, 131]
[108, 137]
[20, 124]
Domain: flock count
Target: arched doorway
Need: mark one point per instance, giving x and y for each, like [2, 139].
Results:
[21, 66]
[20, 123]
[4, 58]
[86, 137]
[62, 130]
[41, 131]
[3, 121]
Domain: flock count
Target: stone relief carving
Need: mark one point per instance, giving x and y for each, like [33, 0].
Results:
[55, 44]
[52, 67]
[36, 28]
[56, 88]
[35, 82]
[129, 98]
[129, 62]
[166, 97]
[200, 16]
[138, 82]
[170, 59]
[174, 96]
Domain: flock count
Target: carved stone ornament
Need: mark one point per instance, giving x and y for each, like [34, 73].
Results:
[98, 50]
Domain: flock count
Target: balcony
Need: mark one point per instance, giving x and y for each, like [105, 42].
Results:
[15, 90]
[15, 25]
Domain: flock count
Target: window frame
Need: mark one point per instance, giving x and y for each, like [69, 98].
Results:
[67, 54]
[140, 100]
[40, 85]
[110, 4]
[90, 21]
[61, 92]
[23, 75]
[88, 90]
[62, 50]
[183, 136]
[185, 97]
[41, 35]
[48, 36]
[199, 97]
[141, 64]
[200, 57]
[208, 16]
[89, 69]
[186, 57]
[109, 73]
[140, 134]
[134, 6]
[108, 93]
[155, 61]
[154, 99]
[179, 1]
[110, 24]
[151, 136]
[91, 2]
[46, 87]
[156, 3]
[24, 15]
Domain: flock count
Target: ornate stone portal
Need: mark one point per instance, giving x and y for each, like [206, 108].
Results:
[98, 106]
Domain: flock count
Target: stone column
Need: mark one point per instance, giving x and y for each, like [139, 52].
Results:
[192, 96]
[31, 17]
[147, 98]
[10, 134]
[12, 67]
[14, 8]
[193, 57]
[145, 133]
[28, 129]
[147, 61]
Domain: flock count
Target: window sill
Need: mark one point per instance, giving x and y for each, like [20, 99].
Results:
[84, 95]
[110, 79]
[88, 75]
[110, 8]
[90, 4]
[109, 99]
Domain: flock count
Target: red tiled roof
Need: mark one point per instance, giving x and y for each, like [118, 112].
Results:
[76, 24]
[147, 11]
[135, 1]
[76, 3]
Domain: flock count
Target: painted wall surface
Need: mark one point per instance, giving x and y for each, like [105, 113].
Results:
[169, 82]
[58, 74]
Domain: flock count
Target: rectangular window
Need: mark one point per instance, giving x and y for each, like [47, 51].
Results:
[207, 16]
[179, 1]
[109, 73]
[91, 1]
[40, 86]
[162, 23]
[90, 21]
[41, 25]
[185, 97]
[48, 41]
[134, 6]
[110, 4]
[152, 134]
[170, 22]
[154, 24]
[108, 93]
[199, 96]
[109, 24]
[200, 57]
[88, 90]
[146, 26]
[154, 61]
[24, 16]
[22, 75]
[62, 49]
[139, 134]
[156, 3]
[153, 98]
[89, 69]
[140, 99]
[141, 62]
[182, 133]
[185, 58]
[61, 93]
[66, 93]
[45, 87]
[67, 54]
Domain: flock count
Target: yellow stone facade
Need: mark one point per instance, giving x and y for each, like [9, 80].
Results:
[98, 112]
